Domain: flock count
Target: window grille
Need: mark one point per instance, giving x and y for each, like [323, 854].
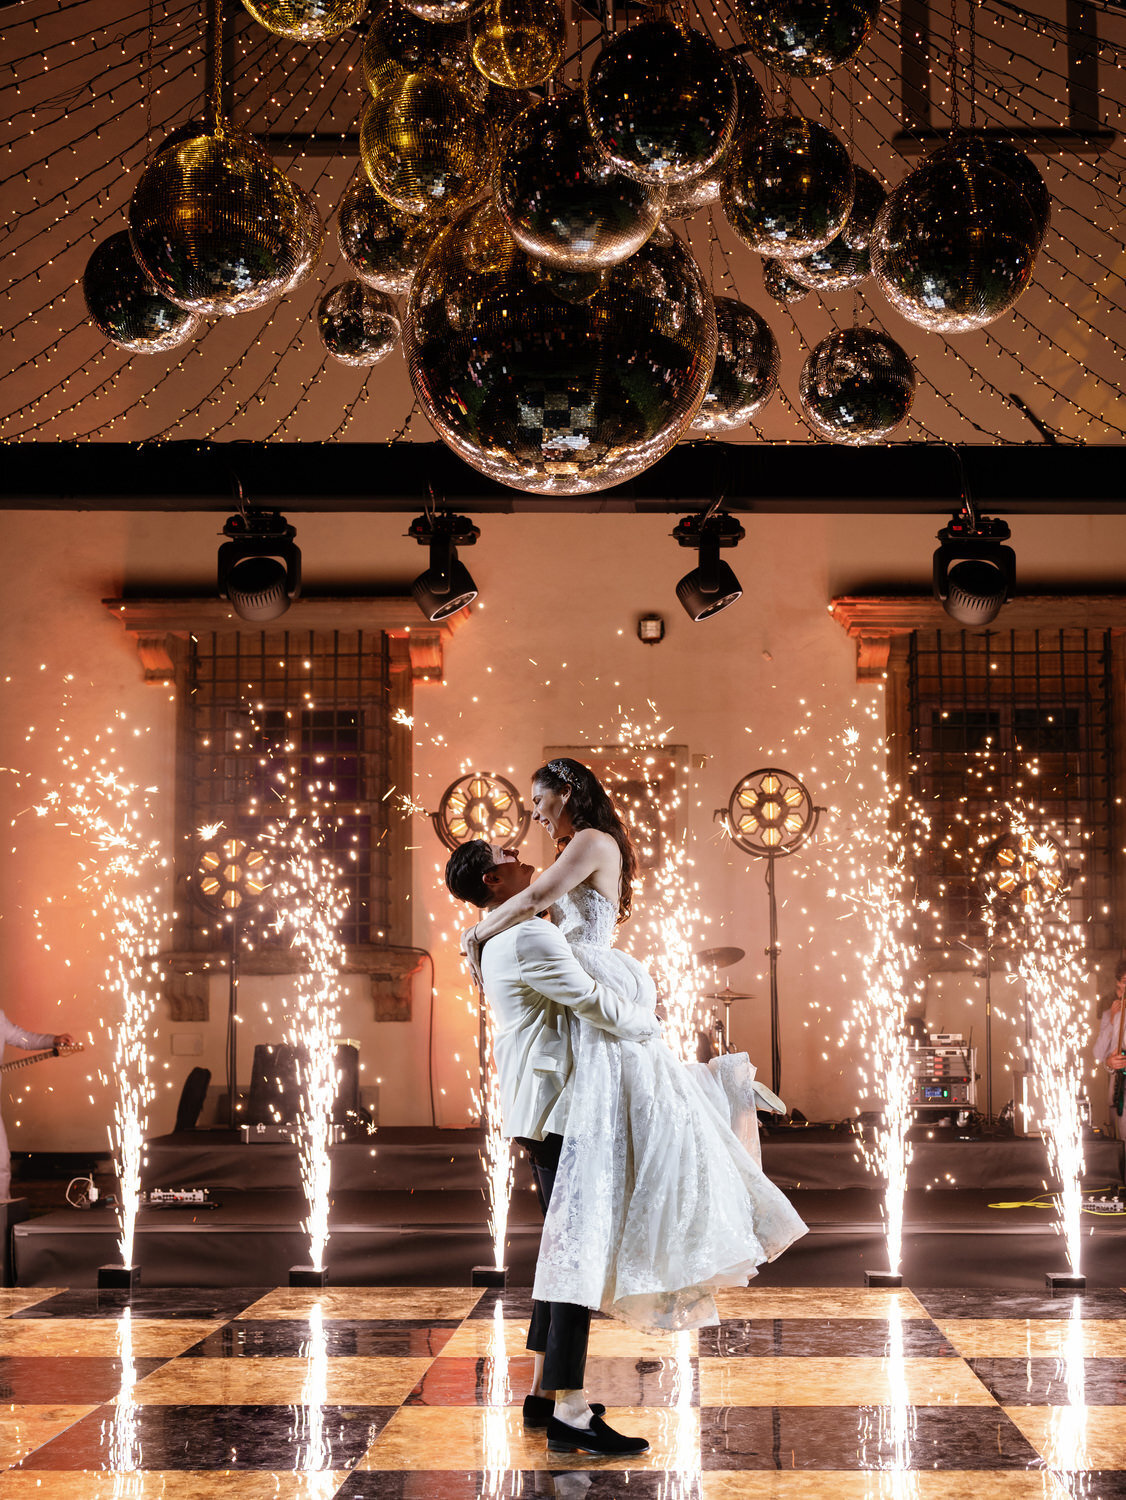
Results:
[1003, 716]
[307, 711]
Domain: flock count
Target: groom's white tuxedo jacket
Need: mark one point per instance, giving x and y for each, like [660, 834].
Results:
[532, 980]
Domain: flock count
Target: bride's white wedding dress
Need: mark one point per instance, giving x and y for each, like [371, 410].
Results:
[656, 1203]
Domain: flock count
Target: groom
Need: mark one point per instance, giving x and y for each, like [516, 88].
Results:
[531, 981]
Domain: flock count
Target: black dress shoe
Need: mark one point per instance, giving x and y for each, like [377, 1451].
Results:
[538, 1409]
[597, 1438]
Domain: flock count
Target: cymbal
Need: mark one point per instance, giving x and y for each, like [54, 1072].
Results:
[718, 958]
[728, 995]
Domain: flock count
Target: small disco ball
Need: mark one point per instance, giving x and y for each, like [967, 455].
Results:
[857, 386]
[746, 368]
[833, 268]
[867, 200]
[424, 144]
[399, 42]
[357, 324]
[788, 188]
[517, 44]
[306, 20]
[806, 37]
[550, 395]
[562, 200]
[685, 198]
[954, 245]
[382, 244]
[216, 225]
[779, 281]
[125, 306]
[661, 102]
[1002, 157]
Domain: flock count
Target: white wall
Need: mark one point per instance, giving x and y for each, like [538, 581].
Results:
[549, 657]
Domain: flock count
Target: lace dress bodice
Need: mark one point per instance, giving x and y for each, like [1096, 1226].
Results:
[586, 916]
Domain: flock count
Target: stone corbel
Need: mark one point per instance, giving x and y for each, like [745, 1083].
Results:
[189, 997]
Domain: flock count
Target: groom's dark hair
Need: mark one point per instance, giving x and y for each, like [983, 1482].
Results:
[466, 869]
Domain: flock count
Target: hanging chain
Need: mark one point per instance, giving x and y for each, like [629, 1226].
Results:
[954, 66]
[973, 64]
[149, 79]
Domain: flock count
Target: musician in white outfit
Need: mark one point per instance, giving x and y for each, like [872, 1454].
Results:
[31, 1041]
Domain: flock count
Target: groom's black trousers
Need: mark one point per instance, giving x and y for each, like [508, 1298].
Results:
[558, 1330]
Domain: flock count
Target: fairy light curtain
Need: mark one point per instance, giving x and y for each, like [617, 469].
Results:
[93, 86]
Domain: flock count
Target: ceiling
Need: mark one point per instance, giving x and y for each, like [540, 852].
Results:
[93, 85]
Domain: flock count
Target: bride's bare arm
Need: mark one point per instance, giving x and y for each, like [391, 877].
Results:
[585, 853]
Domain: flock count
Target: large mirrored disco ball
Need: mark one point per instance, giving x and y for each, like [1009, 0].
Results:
[779, 281]
[399, 41]
[357, 324]
[549, 395]
[867, 200]
[1003, 157]
[746, 368]
[517, 44]
[424, 143]
[661, 102]
[857, 386]
[306, 20]
[562, 200]
[806, 37]
[125, 306]
[788, 187]
[382, 244]
[216, 225]
[833, 268]
[954, 245]
[685, 198]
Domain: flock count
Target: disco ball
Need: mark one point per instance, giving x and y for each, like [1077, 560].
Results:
[788, 188]
[686, 198]
[661, 102]
[550, 395]
[857, 386]
[517, 44]
[746, 368]
[867, 200]
[216, 225]
[125, 306]
[442, 11]
[306, 20]
[562, 200]
[833, 268]
[1013, 163]
[806, 37]
[357, 324]
[424, 144]
[382, 244]
[780, 283]
[954, 245]
[400, 42]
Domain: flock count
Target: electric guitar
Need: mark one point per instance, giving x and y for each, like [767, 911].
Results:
[35, 1057]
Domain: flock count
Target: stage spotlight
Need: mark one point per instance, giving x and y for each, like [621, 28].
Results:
[260, 566]
[974, 573]
[446, 585]
[711, 586]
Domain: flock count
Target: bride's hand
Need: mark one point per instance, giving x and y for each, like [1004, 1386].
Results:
[471, 949]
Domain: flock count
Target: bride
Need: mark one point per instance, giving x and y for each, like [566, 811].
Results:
[656, 1202]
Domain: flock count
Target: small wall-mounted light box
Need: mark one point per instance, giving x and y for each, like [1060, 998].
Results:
[651, 629]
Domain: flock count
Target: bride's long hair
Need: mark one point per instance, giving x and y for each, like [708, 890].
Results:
[589, 806]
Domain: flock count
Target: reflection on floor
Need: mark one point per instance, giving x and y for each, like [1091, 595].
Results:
[378, 1393]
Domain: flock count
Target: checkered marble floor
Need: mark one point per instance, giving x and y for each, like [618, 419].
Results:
[381, 1393]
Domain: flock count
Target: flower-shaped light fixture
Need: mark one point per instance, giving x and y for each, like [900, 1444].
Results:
[481, 805]
[770, 813]
[1025, 870]
[229, 872]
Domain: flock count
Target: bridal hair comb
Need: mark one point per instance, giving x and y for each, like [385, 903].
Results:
[561, 769]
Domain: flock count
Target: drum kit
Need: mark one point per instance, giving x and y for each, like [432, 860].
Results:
[717, 1040]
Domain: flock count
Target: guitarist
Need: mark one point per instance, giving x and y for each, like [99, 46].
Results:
[30, 1041]
[1110, 1049]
